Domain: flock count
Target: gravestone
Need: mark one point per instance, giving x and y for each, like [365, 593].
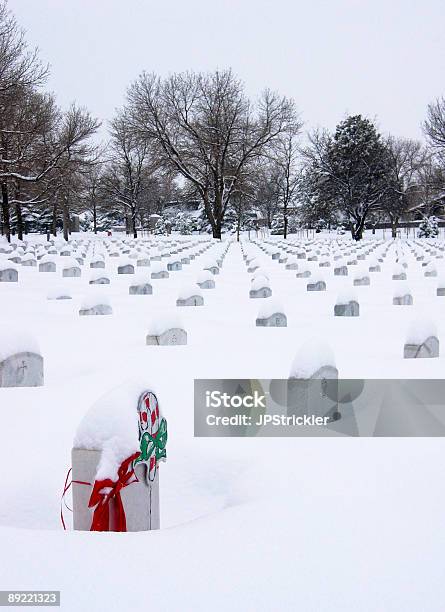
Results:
[125, 268]
[399, 273]
[95, 305]
[341, 270]
[143, 262]
[417, 350]
[375, 267]
[71, 269]
[8, 272]
[403, 300]
[47, 264]
[205, 280]
[113, 491]
[97, 263]
[260, 288]
[312, 387]
[190, 296]
[21, 364]
[159, 271]
[316, 285]
[346, 307]
[253, 265]
[140, 288]
[421, 340]
[304, 272]
[292, 263]
[174, 336]
[212, 267]
[271, 314]
[29, 261]
[100, 278]
[430, 270]
[361, 280]
[174, 266]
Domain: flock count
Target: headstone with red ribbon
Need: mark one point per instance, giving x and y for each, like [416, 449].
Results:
[129, 499]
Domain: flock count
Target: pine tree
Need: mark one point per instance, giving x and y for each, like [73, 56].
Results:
[428, 228]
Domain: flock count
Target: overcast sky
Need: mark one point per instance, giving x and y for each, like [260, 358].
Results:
[382, 58]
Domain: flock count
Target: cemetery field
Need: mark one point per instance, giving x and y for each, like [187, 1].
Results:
[246, 523]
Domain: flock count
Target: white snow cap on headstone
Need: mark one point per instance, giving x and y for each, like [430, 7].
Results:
[419, 330]
[346, 296]
[188, 291]
[95, 299]
[111, 426]
[401, 289]
[14, 341]
[163, 322]
[269, 307]
[313, 355]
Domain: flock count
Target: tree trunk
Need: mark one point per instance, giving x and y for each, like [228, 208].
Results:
[18, 213]
[133, 222]
[357, 229]
[66, 221]
[94, 218]
[394, 226]
[5, 212]
[286, 222]
[238, 226]
[54, 219]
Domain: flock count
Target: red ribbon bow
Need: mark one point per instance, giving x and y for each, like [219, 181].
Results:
[101, 498]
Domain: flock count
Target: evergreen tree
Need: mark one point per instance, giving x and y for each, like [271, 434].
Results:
[349, 171]
[428, 228]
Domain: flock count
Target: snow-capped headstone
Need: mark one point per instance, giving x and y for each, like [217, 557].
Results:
[260, 288]
[402, 296]
[316, 284]
[398, 273]
[205, 280]
[190, 296]
[125, 267]
[440, 291]
[71, 268]
[421, 341]
[47, 264]
[313, 382]
[115, 460]
[99, 278]
[140, 286]
[166, 330]
[21, 364]
[95, 305]
[8, 272]
[346, 306]
[159, 270]
[271, 314]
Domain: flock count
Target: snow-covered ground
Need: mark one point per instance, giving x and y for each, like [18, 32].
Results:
[247, 524]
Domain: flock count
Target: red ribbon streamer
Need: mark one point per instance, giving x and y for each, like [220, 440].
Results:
[101, 499]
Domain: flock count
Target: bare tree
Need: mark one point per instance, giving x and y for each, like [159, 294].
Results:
[406, 158]
[288, 172]
[127, 171]
[204, 127]
[434, 126]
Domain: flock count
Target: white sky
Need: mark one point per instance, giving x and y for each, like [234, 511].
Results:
[382, 58]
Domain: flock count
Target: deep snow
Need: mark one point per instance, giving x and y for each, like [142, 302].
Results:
[247, 524]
